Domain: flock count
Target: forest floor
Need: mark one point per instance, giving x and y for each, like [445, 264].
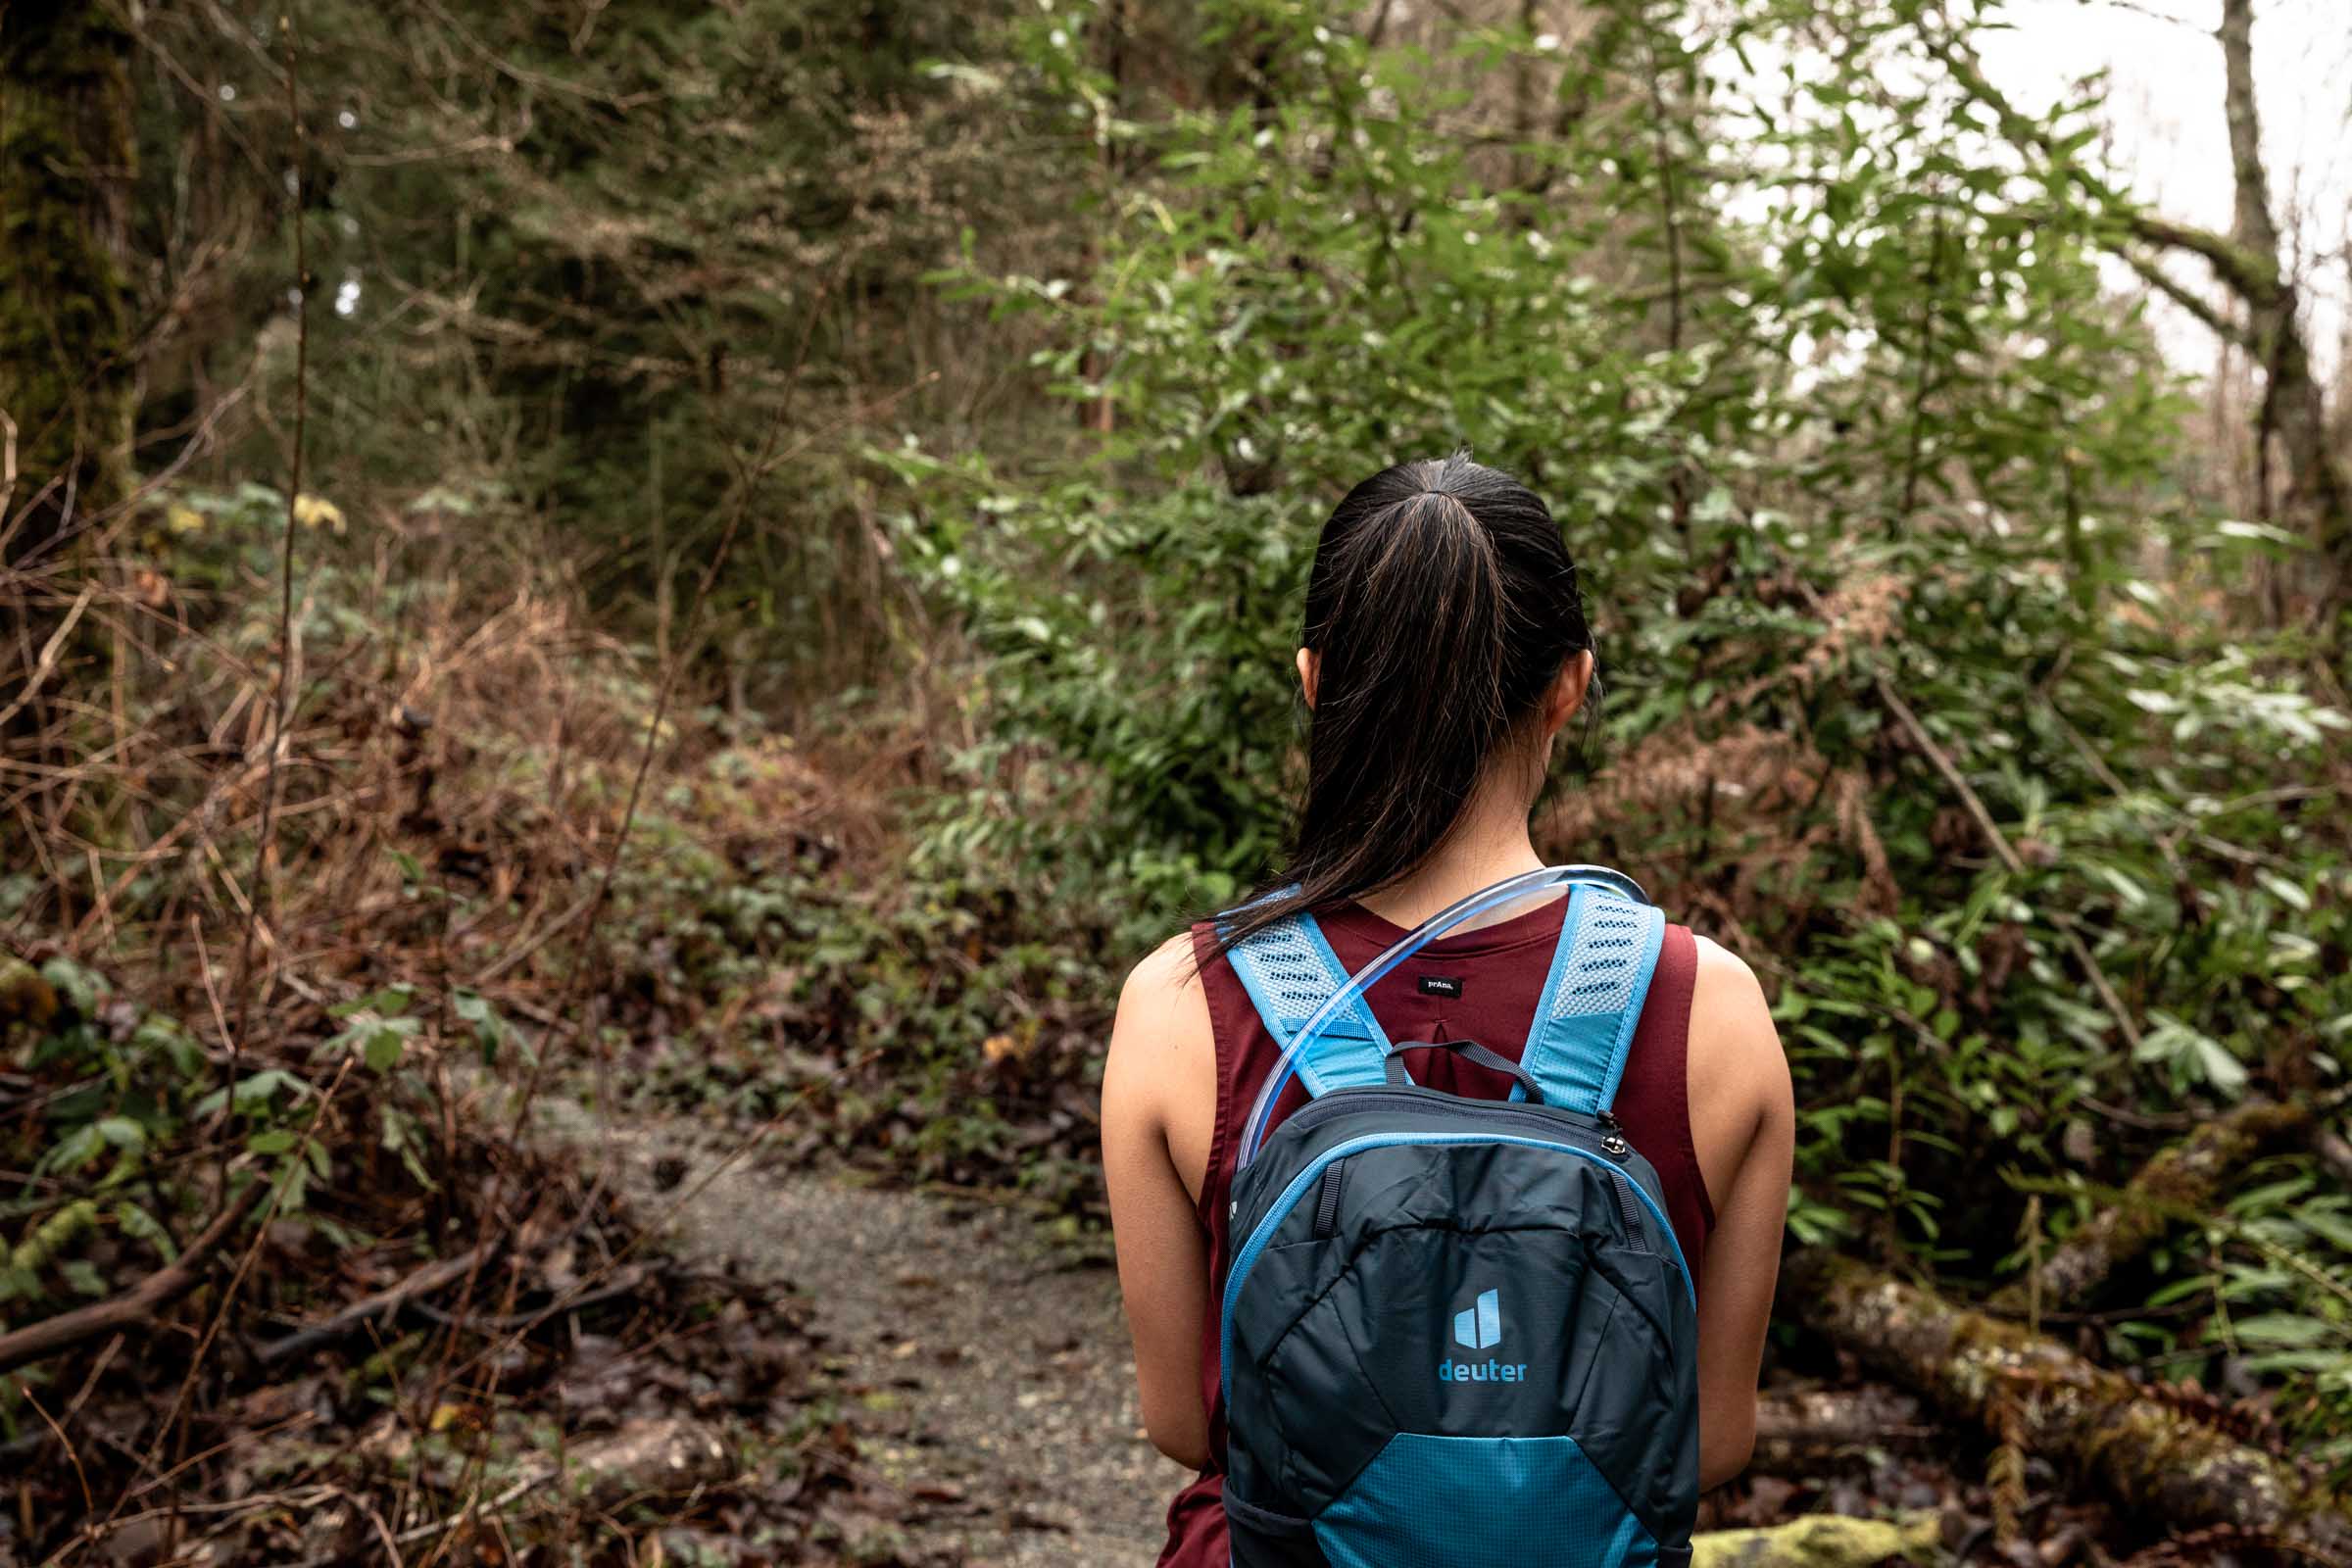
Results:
[983, 1367]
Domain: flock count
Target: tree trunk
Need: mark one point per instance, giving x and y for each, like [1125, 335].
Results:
[2020, 1386]
[66, 376]
[2293, 405]
[1798, 1429]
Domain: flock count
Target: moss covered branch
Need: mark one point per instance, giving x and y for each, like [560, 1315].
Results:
[2027, 1388]
[1819, 1540]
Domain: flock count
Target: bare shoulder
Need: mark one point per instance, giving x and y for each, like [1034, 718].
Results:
[1726, 987]
[1738, 1072]
[1164, 1015]
[1731, 1033]
[1163, 993]
[1159, 1085]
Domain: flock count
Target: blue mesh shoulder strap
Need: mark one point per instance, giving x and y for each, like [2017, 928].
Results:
[1592, 1001]
[1291, 972]
[1316, 1012]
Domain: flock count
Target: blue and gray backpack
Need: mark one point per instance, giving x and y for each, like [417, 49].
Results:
[1458, 1333]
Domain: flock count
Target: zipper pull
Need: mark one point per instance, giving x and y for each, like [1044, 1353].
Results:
[1612, 1135]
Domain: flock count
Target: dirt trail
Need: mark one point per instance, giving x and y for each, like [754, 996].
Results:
[983, 1370]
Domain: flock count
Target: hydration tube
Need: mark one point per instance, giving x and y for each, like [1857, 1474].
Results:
[1511, 890]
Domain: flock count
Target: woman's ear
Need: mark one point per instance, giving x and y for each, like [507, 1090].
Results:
[1311, 665]
[1567, 693]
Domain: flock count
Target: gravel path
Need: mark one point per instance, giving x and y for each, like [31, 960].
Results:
[986, 1373]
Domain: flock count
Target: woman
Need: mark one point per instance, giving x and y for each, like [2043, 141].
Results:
[1446, 648]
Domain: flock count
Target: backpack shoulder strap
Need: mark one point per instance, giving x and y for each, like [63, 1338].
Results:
[1592, 1001]
[1290, 972]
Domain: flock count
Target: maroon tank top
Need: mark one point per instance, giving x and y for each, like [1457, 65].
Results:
[1485, 987]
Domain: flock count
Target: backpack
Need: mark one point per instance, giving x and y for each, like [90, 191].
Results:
[1458, 1333]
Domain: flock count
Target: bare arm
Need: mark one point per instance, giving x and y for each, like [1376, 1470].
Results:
[1743, 1122]
[1160, 1047]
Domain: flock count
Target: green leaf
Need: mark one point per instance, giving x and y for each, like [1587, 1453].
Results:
[139, 1225]
[2283, 1331]
[2332, 1226]
[383, 1048]
[2221, 1070]
[80, 1146]
[124, 1133]
[2291, 894]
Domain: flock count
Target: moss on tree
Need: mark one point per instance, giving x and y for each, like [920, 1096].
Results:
[1819, 1540]
[67, 374]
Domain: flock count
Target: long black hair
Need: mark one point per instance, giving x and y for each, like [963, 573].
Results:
[1442, 607]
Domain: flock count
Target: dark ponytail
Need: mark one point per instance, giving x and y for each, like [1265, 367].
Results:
[1442, 608]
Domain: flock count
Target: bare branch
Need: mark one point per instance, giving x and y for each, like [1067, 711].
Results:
[423, 1282]
[134, 1308]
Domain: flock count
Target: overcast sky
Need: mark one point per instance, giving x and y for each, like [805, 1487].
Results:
[2165, 103]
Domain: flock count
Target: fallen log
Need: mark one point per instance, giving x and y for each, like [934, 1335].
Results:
[2188, 1176]
[135, 1307]
[2020, 1386]
[1819, 1540]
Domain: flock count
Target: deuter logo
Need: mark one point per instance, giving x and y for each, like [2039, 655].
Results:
[1478, 1327]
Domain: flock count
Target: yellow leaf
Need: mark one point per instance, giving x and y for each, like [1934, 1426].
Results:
[184, 519]
[312, 511]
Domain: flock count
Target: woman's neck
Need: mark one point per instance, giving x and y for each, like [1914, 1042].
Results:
[1488, 843]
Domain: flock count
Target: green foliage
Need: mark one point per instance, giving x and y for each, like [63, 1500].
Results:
[1867, 474]
[1930, 689]
[2285, 1284]
[930, 1026]
[112, 1167]
[128, 1085]
[633, 265]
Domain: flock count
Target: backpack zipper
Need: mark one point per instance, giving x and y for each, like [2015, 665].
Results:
[1610, 1135]
[1605, 1131]
[1329, 1190]
[1613, 1139]
[1613, 1134]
